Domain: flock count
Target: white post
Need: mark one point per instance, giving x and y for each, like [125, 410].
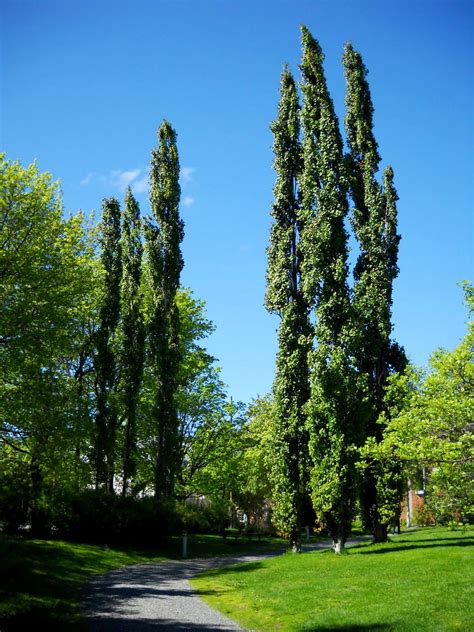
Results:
[184, 545]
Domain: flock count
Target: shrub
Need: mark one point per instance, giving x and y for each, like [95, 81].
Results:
[423, 517]
[210, 518]
[102, 517]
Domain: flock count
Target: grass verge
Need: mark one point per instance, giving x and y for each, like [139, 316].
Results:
[41, 580]
[420, 581]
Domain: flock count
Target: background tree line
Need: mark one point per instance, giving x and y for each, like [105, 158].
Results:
[112, 411]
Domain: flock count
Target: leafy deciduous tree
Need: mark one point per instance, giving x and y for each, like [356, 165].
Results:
[430, 423]
[46, 296]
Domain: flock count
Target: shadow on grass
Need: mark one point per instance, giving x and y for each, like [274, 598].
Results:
[245, 567]
[399, 545]
[37, 620]
[40, 581]
[456, 538]
[138, 624]
[375, 627]
[202, 546]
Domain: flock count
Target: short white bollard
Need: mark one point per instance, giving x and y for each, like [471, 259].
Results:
[184, 545]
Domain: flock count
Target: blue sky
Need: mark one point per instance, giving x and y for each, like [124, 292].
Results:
[85, 85]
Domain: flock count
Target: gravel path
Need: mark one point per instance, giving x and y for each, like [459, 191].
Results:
[158, 596]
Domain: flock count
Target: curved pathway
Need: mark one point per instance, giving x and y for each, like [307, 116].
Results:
[158, 596]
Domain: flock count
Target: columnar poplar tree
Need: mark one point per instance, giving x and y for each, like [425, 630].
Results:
[105, 360]
[331, 420]
[374, 219]
[284, 297]
[164, 234]
[132, 330]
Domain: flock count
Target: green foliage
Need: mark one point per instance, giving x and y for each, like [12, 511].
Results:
[203, 430]
[163, 238]
[72, 393]
[99, 516]
[431, 425]
[133, 335]
[331, 417]
[348, 353]
[206, 518]
[374, 220]
[47, 300]
[45, 268]
[283, 256]
[284, 296]
[254, 472]
[200, 399]
[105, 359]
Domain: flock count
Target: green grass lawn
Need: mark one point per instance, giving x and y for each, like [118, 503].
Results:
[419, 581]
[41, 581]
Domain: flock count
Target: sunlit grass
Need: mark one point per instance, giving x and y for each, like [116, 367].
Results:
[420, 581]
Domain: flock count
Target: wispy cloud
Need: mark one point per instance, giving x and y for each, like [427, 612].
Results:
[88, 179]
[122, 179]
[187, 174]
[141, 185]
[188, 201]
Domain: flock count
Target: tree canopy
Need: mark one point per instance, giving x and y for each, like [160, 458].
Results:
[430, 424]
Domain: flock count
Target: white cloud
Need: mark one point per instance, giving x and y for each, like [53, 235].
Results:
[187, 174]
[188, 201]
[122, 179]
[88, 179]
[141, 186]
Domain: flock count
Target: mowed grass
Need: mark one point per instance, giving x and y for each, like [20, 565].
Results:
[419, 581]
[41, 581]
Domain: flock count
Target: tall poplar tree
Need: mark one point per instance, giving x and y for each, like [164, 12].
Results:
[164, 234]
[132, 330]
[284, 297]
[105, 360]
[374, 220]
[331, 421]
